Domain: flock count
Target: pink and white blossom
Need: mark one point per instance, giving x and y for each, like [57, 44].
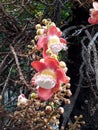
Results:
[93, 19]
[49, 77]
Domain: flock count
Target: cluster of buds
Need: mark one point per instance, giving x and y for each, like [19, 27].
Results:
[77, 124]
[93, 19]
[38, 114]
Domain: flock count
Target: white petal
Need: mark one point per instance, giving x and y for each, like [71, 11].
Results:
[45, 81]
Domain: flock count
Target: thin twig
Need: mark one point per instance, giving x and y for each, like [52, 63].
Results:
[18, 66]
[6, 82]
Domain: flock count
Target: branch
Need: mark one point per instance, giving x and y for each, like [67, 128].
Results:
[18, 66]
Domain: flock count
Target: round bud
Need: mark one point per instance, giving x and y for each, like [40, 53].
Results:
[61, 110]
[67, 101]
[40, 31]
[68, 85]
[33, 95]
[48, 109]
[81, 116]
[68, 93]
[62, 64]
[44, 21]
[36, 37]
[75, 117]
[38, 26]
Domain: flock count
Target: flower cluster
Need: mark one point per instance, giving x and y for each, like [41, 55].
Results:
[49, 39]
[51, 82]
[51, 72]
[93, 19]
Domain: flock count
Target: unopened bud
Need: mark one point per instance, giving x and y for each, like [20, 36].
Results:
[40, 31]
[62, 64]
[48, 109]
[67, 101]
[38, 26]
[61, 110]
[44, 21]
[33, 95]
[68, 93]
[68, 85]
[36, 37]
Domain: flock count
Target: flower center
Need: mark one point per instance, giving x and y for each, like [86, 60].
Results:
[55, 48]
[53, 40]
[47, 79]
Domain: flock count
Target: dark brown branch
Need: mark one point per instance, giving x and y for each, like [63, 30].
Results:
[18, 66]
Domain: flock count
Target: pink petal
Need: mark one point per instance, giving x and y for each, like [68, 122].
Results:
[42, 41]
[57, 86]
[62, 40]
[44, 94]
[95, 5]
[44, 52]
[61, 76]
[51, 63]
[52, 30]
[59, 32]
[92, 20]
[39, 66]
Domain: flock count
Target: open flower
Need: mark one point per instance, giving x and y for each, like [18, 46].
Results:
[22, 100]
[49, 77]
[51, 42]
[94, 14]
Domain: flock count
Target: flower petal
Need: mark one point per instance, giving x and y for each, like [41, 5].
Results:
[62, 76]
[44, 52]
[57, 86]
[62, 40]
[42, 41]
[44, 94]
[51, 63]
[39, 66]
[92, 20]
[95, 5]
[54, 31]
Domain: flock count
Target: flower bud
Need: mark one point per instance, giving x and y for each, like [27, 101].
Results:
[36, 37]
[68, 93]
[61, 110]
[38, 26]
[40, 31]
[68, 85]
[44, 21]
[33, 95]
[48, 109]
[22, 100]
[62, 64]
[67, 101]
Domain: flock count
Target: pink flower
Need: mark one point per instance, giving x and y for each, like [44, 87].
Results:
[49, 77]
[94, 14]
[22, 100]
[51, 42]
